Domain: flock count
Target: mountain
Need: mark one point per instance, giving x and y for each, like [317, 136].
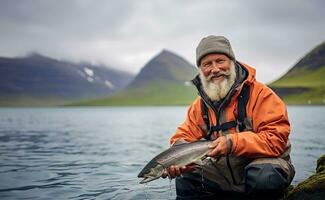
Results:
[164, 80]
[38, 80]
[304, 83]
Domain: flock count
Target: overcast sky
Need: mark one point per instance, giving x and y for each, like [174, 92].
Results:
[125, 34]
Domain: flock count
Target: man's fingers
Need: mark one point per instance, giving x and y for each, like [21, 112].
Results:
[219, 147]
[164, 174]
[188, 168]
[172, 171]
[191, 167]
[183, 169]
[214, 144]
[214, 152]
[177, 171]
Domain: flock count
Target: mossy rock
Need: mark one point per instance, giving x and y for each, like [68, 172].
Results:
[311, 188]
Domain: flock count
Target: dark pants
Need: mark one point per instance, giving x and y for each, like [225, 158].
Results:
[264, 181]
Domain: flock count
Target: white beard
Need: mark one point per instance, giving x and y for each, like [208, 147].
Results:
[217, 91]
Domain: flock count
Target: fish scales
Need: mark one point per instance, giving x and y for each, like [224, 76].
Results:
[182, 150]
[181, 155]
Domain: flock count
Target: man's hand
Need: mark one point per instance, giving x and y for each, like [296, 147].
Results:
[175, 171]
[219, 147]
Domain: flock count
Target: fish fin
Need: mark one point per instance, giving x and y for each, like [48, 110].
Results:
[148, 179]
[168, 174]
[201, 161]
[179, 142]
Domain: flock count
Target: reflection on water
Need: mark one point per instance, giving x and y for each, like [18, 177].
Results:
[87, 153]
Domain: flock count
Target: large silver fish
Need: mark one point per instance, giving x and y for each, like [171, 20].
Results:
[180, 155]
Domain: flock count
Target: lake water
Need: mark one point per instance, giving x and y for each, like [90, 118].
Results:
[96, 153]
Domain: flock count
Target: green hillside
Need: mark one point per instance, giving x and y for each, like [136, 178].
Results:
[164, 80]
[305, 82]
[157, 93]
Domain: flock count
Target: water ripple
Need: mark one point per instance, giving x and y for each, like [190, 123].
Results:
[96, 153]
[30, 187]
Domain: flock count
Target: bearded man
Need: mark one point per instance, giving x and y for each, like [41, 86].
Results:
[250, 154]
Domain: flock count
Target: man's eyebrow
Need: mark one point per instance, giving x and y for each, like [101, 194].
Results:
[207, 61]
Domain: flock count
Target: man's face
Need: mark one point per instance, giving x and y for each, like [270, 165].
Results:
[215, 67]
[218, 74]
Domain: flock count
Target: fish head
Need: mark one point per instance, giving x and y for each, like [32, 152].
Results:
[150, 173]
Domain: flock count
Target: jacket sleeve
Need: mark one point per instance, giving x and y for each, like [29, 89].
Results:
[191, 129]
[271, 128]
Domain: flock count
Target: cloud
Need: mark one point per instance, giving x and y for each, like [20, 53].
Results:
[126, 34]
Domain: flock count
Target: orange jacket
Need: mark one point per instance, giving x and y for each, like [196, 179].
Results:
[270, 125]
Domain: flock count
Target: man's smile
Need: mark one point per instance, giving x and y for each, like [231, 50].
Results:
[217, 77]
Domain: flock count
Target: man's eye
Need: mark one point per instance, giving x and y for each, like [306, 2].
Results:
[221, 61]
[206, 65]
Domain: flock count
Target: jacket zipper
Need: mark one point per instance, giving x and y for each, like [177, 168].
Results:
[217, 113]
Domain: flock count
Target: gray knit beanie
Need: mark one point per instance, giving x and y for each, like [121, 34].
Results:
[213, 44]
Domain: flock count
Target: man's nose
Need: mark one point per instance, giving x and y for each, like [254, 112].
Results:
[215, 67]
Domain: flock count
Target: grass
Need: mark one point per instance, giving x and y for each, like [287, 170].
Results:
[314, 80]
[156, 93]
[316, 96]
[302, 77]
